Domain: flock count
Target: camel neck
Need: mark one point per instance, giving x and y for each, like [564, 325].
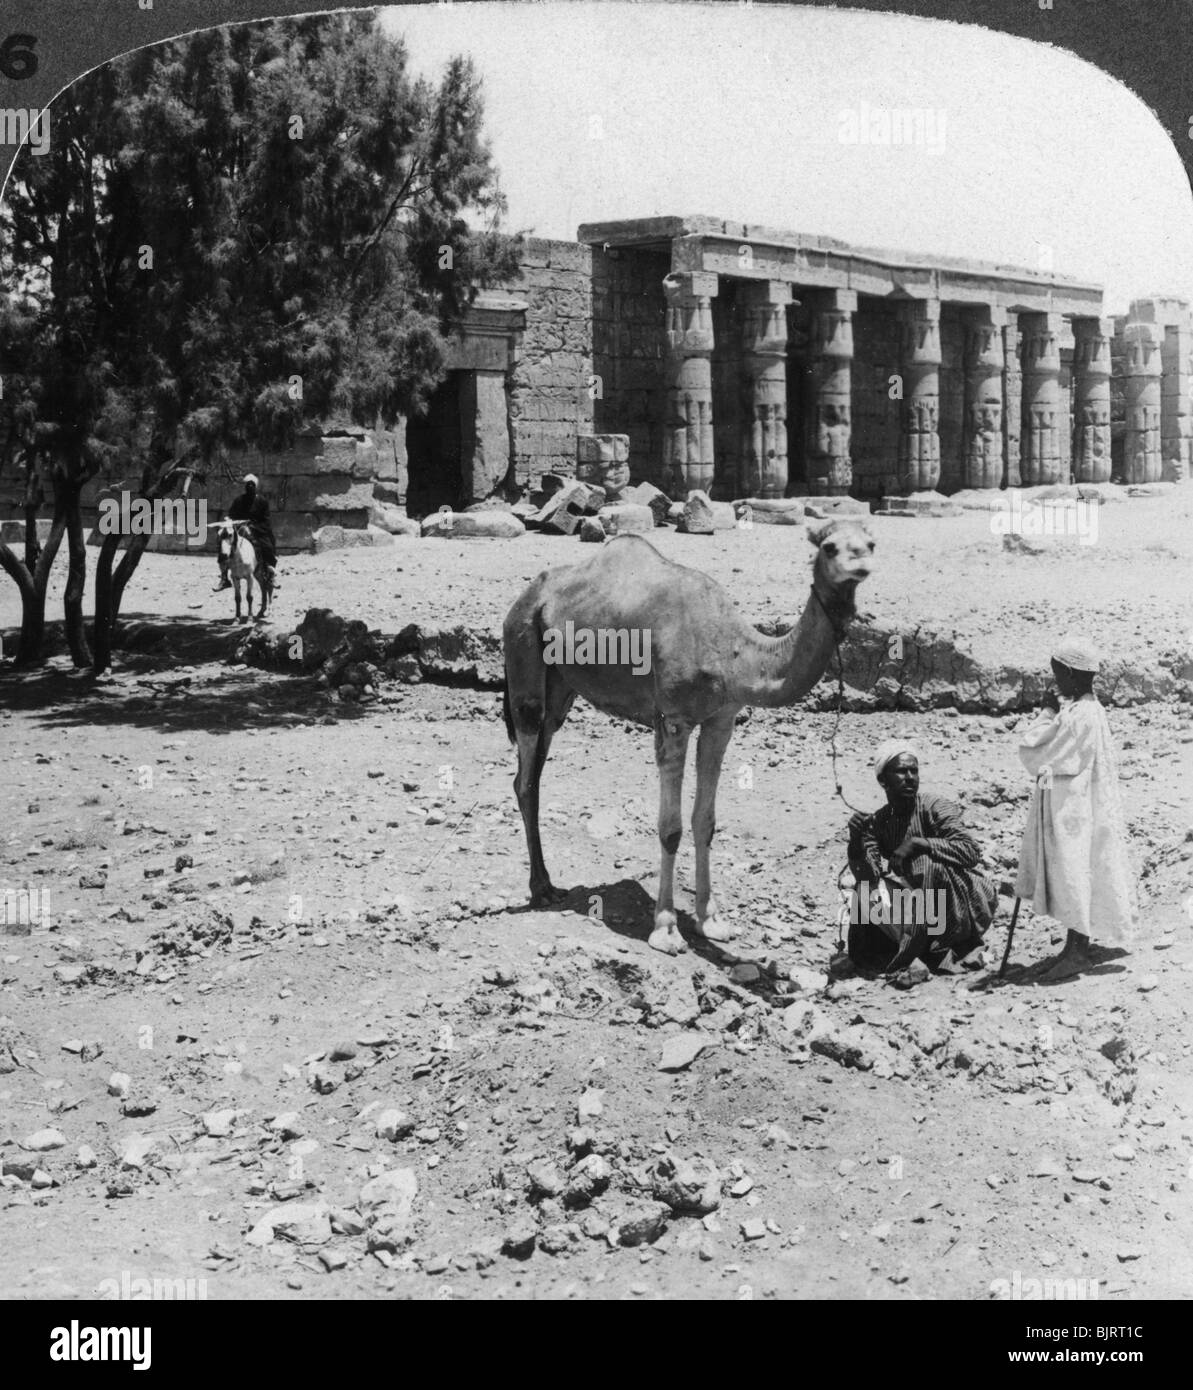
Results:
[781, 670]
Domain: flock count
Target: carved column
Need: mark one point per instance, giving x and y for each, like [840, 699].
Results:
[688, 458]
[1091, 399]
[1012, 384]
[919, 439]
[1142, 460]
[830, 469]
[764, 361]
[1041, 454]
[983, 463]
[1176, 407]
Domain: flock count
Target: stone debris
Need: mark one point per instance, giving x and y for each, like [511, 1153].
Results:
[681, 1050]
[687, 1185]
[43, 1141]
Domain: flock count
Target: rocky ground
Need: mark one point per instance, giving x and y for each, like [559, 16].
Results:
[290, 1029]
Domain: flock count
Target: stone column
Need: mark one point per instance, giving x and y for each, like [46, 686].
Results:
[1176, 409]
[688, 460]
[830, 469]
[919, 438]
[1012, 391]
[1142, 460]
[983, 462]
[764, 362]
[1091, 399]
[1041, 453]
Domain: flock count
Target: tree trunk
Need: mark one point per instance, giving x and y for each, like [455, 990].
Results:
[109, 586]
[76, 579]
[33, 592]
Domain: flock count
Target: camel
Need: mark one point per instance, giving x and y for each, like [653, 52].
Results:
[698, 664]
[236, 546]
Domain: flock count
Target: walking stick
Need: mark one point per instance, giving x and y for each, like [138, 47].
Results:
[1006, 955]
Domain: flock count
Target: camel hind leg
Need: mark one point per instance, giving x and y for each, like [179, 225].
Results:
[714, 739]
[671, 749]
[537, 703]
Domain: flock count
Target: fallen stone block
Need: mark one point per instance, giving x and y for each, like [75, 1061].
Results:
[767, 511]
[591, 529]
[626, 518]
[919, 504]
[821, 508]
[696, 517]
[647, 495]
[487, 525]
[393, 519]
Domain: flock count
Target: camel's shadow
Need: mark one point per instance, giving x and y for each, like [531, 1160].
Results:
[626, 909]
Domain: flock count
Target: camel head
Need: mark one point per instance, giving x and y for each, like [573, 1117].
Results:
[844, 557]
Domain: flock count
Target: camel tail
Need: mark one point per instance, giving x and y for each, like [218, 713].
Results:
[506, 713]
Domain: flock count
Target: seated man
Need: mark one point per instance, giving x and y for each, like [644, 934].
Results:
[930, 903]
[250, 506]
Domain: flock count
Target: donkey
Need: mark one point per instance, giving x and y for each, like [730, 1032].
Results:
[236, 546]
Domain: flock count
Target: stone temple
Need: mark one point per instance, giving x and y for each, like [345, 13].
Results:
[754, 362]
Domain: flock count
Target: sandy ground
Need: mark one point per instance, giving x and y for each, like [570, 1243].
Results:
[307, 917]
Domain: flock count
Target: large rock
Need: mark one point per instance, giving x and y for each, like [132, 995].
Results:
[769, 511]
[697, 519]
[687, 1185]
[647, 495]
[349, 538]
[469, 525]
[562, 510]
[821, 508]
[393, 519]
[626, 518]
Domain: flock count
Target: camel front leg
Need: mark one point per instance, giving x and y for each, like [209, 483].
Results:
[710, 752]
[236, 594]
[671, 750]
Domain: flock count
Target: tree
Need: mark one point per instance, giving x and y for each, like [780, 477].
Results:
[237, 234]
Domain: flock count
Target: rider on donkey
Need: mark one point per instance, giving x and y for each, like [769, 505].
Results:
[250, 506]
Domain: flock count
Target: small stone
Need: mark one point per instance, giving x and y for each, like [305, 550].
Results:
[287, 1125]
[85, 1157]
[395, 1187]
[41, 1179]
[43, 1141]
[1147, 983]
[687, 1185]
[138, 1150]
[590, 1105]
[641, 1222]
[1045, 1166]
[1124, 1152]
[1128, 1253]
[681, 1050]
[342, 1052]
[393, 1124]
[747, 973]
[545, 1179]
[518, 1241]
[218, 1123]
[741, 1187]
[332, 1260]
[591, 530]
[753, 1229]
[436, 1264]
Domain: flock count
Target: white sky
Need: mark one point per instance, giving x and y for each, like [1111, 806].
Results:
[599, 110]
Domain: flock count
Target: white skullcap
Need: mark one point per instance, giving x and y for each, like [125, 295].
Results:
[250, 478]
[887, 752]
[1078, 654]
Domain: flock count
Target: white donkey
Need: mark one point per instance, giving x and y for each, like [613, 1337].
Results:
[237, 548]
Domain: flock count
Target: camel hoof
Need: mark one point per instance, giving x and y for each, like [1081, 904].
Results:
[666, 936]
[713, 929]
[669, 942]
[547, 896]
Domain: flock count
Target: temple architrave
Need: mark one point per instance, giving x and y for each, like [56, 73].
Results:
[777, 363]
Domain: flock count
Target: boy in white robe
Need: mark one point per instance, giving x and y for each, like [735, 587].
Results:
[1073, 864]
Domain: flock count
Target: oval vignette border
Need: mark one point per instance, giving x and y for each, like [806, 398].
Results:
[1147, 44]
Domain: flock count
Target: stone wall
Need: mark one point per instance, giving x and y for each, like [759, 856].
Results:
[552, 392]
[629, 341]
[874, 440]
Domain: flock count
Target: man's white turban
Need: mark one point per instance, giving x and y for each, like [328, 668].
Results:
[1078, 654]
[889, 751]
